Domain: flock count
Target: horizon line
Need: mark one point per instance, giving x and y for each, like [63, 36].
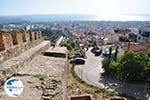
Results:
[70, 14]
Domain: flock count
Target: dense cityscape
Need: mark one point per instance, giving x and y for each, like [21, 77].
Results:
[97, 47]
[75, 50]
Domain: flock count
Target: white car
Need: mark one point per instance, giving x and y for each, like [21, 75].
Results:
[106, 52]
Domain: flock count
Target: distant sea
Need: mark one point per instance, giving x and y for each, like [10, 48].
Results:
[73, 17]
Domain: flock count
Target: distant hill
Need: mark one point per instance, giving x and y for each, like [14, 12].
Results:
[45, 18]
[69, 17]
[12, 19]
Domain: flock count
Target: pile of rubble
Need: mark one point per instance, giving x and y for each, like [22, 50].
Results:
[50, 88]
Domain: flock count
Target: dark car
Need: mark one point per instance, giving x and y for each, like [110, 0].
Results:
[77, 61]
[96, 50]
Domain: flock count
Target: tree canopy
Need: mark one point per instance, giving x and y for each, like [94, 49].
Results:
[133, 66]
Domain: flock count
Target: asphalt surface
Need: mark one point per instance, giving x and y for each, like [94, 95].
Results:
[91, 70]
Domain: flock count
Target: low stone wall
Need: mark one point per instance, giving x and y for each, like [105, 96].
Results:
[13, 65]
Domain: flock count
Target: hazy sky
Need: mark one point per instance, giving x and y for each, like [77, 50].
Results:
[98, 7]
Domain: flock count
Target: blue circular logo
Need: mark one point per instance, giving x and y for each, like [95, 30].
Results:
[13, 87]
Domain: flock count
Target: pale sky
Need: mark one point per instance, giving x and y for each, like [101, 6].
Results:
[98, 7]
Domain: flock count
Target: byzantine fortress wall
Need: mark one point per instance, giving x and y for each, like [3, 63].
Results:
[13, 43]
[18, 47]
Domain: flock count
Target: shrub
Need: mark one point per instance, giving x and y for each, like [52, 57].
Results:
[133, 66]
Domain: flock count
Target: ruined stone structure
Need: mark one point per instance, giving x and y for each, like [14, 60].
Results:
[18, 47]
[13, 43]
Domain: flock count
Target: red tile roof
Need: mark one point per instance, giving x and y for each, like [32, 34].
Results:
[138, 47]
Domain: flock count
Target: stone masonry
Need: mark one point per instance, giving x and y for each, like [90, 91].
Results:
[18, 47]
[13, 43]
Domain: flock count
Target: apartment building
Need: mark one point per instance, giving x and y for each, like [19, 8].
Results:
[144, 34]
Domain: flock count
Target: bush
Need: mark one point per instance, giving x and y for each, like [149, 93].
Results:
[71, 47]
[133, 66]
[106, 65]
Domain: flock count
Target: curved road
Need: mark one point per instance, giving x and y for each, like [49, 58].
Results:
[91, 72]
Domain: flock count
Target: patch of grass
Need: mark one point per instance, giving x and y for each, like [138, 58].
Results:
[41, 77]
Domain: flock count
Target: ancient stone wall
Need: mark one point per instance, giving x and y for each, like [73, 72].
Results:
[7, 40]
[2, 47]
[13, 43]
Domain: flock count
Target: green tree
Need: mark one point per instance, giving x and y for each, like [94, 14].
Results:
[133, 66]
[71, 46]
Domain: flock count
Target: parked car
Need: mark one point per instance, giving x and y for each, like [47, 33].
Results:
[77, 56]
[77, 61]
[106, 52]
[97, 51]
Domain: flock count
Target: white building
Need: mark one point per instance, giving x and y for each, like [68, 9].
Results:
[143, 35]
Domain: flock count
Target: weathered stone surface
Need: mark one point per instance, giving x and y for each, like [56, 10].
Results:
[12, 66]
[51, 88]
[46, 98]
[13, 43]
[2, 47]
[21, 59]
[7, 40]
[49, 66]
[53, 68]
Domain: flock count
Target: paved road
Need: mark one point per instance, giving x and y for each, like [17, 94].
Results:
[91, 72]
